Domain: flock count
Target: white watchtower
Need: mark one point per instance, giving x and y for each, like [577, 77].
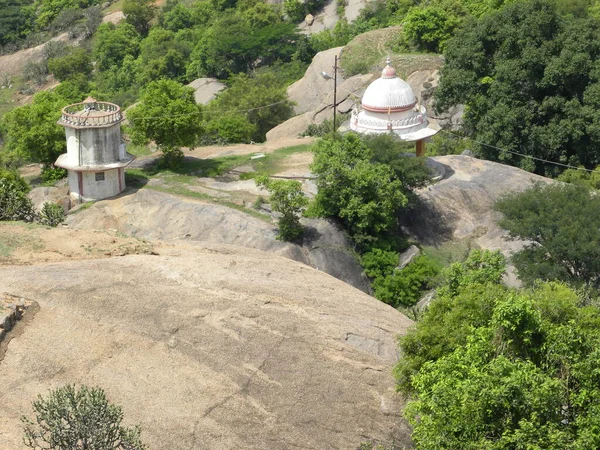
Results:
[96, 157]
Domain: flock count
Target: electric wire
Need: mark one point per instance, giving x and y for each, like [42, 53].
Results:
[521, 154]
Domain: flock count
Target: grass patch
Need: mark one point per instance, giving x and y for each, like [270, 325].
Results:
[116, 6]
[139, 150]
[450, 252]
[184, 192]
[367, 53]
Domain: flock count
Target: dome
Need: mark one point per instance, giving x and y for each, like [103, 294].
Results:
[388, 93]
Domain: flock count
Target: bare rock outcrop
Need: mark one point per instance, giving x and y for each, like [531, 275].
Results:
[158, 216]
[50, 194]
[206, 89]
[462, 204]
[209, 347]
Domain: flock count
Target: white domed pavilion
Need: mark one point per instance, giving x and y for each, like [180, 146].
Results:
[389, 105]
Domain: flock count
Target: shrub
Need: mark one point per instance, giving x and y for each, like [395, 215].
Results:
[172, 157]
[50, 175]
[71, 419]
[52, 214]
[14, 203]
[287, 198]
[404, 287]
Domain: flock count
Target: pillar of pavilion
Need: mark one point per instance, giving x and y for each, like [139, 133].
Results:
[389, 105]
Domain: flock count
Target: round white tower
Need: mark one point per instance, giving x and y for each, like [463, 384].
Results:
[96, 157]
[389, 105]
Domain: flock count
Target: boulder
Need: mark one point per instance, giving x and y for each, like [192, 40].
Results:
[407, 256]
[308, 92]
[461, 205]
[150, 214]
[309, 19]
[209, 346]
[52, 194]
[206, 89]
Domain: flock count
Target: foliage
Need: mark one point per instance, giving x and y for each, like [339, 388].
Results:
[47, 10]
[529, 83]
[561, 224]
[286, 197]
[429, 27]
[405, 287]
[582, 177]
[14, 203]
[365, 195]
[164, 54]
[167, 114]
[450, 316]
[139, 13]
[260, 98]
[52, 214]
[50, 175]
[114, 43]
[229, 129]
[399, 156]
[325, 127]
[76, 62]
[172, 157]
[31, 133]
[497, 369]
[237, 43]
[15, 20]
[70, 418]
[297, 10]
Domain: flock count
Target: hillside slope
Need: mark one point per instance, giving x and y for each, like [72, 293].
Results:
[209, 347]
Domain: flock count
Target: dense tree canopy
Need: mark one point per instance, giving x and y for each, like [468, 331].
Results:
[499, 369]
[530, 81]
[561, 224]
[167, 114]
[31, 132]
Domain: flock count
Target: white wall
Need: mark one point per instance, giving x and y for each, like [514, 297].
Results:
[96, 190]
[98, 145]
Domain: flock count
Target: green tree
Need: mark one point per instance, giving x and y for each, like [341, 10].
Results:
[464, 300]
[530, 84]
[168, 115]
[430, 27]
[114, 43]
[76, 62]
[164, 54]
[365, 195]
[560, 222]
[237, 42]
[79, 419]
[286, 197]
[521, 371]
[139, 13]
[15, 20]
[260, 98]
[14, 203]
[31, 133]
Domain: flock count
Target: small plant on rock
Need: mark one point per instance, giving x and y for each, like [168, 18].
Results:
[287, 198]
[79, 419]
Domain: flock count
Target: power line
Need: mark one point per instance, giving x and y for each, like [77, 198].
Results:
[522, 154]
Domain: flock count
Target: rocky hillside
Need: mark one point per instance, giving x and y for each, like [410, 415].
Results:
[208, 346]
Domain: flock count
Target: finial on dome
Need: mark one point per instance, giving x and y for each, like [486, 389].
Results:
[388, 70]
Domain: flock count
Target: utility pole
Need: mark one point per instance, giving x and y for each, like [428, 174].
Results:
[335, 72]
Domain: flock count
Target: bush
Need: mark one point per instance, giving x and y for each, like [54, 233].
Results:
[404, 287]
[287, 198]
[50, 175]
[52, 215]
[77, 420]
[14, 203]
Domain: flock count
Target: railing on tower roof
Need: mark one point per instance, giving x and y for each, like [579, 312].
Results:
[91, 113]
